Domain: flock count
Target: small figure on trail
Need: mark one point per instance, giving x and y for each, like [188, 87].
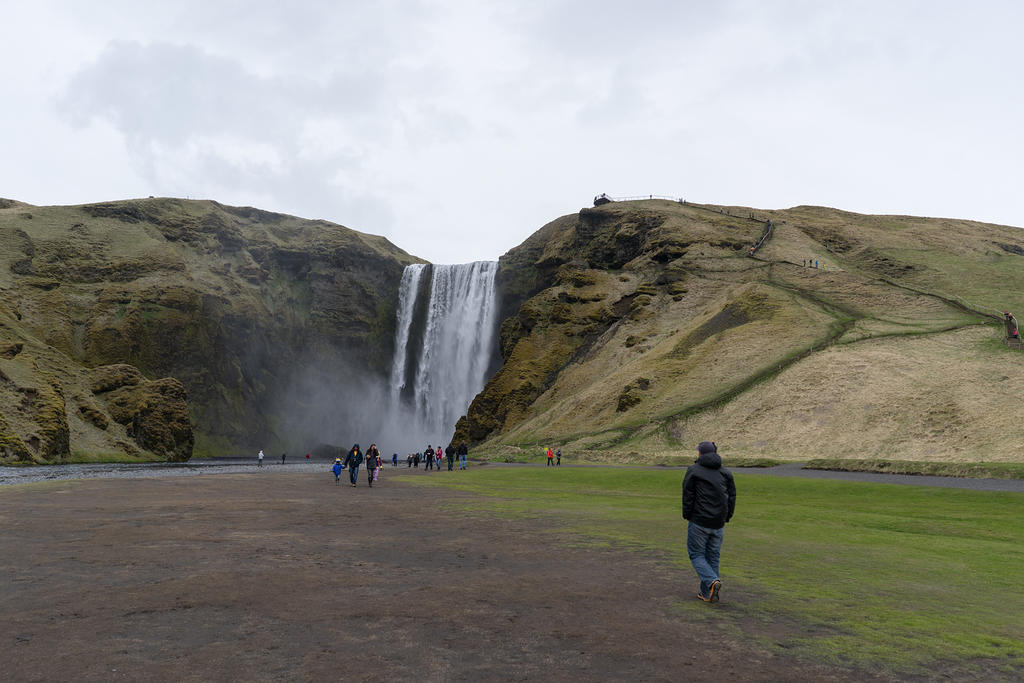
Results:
[352, 461]
[815, 263]
[372, 464]
[394, 460]
[450, 454]
[428, 458]
[283, 456]
[709, 499]
[1011, 326]
[438, 454]
[337, 470]
[558, 457]
[463, 451]
[307, 458]
[416, 460]
[259, 459]
[551, 457]
[805, 263]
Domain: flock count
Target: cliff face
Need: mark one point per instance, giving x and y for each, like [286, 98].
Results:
[247, 317]
[635, 330]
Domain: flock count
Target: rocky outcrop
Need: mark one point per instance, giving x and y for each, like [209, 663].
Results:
[255, 314]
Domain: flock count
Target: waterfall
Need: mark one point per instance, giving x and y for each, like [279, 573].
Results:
[452, 355]
[408, 290]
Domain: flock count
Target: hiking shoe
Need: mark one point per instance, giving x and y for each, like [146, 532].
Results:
[701, 596]
[716, 586]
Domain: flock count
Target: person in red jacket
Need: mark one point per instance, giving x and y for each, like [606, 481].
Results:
[551, 457]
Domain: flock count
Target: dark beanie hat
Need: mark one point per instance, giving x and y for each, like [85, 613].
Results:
[707, 447]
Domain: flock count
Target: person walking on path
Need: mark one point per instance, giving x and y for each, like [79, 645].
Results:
[551, 457]
[439, 454]
[450, 454]
[352, 461]
[394, 460]
[428, 457]
[558, 457]
[709, 499]
[462, 452]
[283, 456]
[259, 459]
[337, 470]
[372, 463]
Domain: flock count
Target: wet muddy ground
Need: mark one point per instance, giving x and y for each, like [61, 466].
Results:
[281, 575]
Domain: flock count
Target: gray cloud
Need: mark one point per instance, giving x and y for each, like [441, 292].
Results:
[420, 120]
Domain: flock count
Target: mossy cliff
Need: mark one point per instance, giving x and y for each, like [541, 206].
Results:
[636, 329]
[212, 307]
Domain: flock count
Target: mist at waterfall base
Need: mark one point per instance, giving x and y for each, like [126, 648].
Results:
[444, 351]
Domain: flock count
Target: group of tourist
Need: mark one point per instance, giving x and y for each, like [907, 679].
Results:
[354, 458]
[433, 456]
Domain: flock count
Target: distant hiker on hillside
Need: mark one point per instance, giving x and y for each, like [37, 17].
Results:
[463, 452]
[259, 459]
[709, 499]
[372, 463]
[450, 454]
[352, 461]
[428, 458]
[558, 457]
[337, 470]
[551, 457]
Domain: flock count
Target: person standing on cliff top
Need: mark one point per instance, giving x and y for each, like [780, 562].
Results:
[709, 499]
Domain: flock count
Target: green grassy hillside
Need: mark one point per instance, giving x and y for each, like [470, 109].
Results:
[246, 309]
[645, 327]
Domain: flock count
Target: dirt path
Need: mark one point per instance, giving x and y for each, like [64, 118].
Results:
[284, 576]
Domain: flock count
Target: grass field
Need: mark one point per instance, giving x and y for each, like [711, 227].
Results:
[909, 580]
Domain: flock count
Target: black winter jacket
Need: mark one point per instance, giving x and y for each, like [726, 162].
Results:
[354, 459]
[709, 493]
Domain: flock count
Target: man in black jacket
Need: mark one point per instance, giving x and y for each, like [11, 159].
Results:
[352, 461]
[709, 498]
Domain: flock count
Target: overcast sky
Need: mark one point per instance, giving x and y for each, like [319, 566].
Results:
[458, 127]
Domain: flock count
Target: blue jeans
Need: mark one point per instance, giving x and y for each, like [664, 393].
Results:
[704, 547]
[353, 474]
[462, 462]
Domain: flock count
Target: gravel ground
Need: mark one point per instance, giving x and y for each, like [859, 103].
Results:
[24, 475]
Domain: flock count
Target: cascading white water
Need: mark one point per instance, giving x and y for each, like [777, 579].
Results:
[454, 354]
[408, 290]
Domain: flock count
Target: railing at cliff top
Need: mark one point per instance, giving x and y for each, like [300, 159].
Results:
[605, 198]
